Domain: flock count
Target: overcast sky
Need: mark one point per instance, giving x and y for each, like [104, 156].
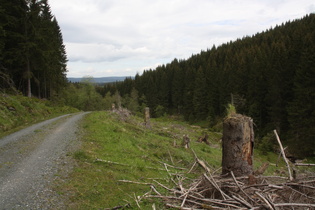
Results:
[124, 37]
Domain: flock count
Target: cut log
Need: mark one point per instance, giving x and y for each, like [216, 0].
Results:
[237, 145]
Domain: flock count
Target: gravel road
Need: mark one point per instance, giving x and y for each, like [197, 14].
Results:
[31, 159]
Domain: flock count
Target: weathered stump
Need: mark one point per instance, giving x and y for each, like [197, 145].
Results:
[113, 106]
[204, 139]
[186, 141]
[147, 117]
[237, 145]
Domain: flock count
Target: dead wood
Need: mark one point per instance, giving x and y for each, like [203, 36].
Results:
[123, 164]
[204, 139]
[262, 169]
[304, 164]
[217, 192]
[133, 182]
[283, 155]
[120, 207]
[186, 141]
[211, 191]
[122, 114]
[237, 145]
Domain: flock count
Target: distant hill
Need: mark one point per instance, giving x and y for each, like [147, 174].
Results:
[101, 80]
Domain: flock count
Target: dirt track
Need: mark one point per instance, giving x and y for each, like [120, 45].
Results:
[31, 159]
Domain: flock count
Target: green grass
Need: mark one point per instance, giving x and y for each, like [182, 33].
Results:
[17, 111]
[130, 152]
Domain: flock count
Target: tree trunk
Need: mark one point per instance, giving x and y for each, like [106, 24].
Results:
[28, 77]
[237, 145]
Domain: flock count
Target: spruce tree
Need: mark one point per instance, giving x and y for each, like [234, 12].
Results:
[13, 59]
[32, 46]
[200, 95]
[2, 32]
[302, 108]
[177, 87]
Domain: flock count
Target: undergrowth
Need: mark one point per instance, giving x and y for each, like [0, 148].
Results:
[114, 150]
[18, 110]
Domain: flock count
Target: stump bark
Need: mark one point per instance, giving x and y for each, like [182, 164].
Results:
[237, 145]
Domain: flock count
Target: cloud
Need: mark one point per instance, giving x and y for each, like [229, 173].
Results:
[115, 37]
[98, 52]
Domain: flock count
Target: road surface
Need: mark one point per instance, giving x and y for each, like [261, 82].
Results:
[31, 159]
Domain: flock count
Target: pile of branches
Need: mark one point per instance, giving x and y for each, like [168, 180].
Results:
[213, 191]
[216, 192]
[122, 113]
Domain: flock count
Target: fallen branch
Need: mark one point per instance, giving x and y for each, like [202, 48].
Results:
[304, 164]
[239, 187]
[133, 182]
[137, 201]
[214, 184]
[111, 162]
[123, 164]
[227, 203]
[171, 190]
[242, 202]
[201, 163]
[283, 155]
[119, 207]
[192, 167]
[295, 204]
[169, 153]
[172, 166]
[154, 190]
[270, 205]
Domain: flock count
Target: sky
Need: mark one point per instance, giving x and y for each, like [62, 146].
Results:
[105, 38]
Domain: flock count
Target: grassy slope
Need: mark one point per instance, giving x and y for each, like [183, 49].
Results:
[141, 154]
[18, 111]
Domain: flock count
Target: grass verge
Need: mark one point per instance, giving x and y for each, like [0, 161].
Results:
[17, 111]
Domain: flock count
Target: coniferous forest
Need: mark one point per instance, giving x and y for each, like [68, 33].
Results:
[269, 76]
[32, 54]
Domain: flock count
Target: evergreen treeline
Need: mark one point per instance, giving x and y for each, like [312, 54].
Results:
[269, 76]
[32, 53]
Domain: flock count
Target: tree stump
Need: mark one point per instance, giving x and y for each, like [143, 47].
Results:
[186, 141]
[147, 117]
[237, 145]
